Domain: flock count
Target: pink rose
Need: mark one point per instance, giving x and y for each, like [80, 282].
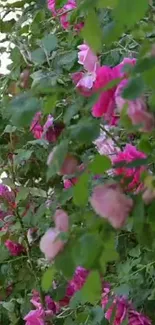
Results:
[128, 155]
[84, 82]
[111, 203]
[36, 128]
[136, 109]
[35, 317]
[14, 248]
[87, 58]
[50, 244]
[61, 220]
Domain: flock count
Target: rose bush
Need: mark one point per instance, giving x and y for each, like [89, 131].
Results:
[77, 163]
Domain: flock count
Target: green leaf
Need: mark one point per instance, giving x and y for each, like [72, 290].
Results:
[109, 252]
[91, 291]
[122, 290]
[82, 253]
[134, 88]
[86, 130]
[97, 315]
[47, 279]
[91, 32]
[10, 129]
[100, 164]
[137, 10]
[144, 64]
[22, 109]
[49, 43]
[50, 103]
[64, 262]
[70, 112]
[107, 3]
[22, 194]
[145, 146]
[58, 159]
[80, 191]
[22, 156]
[67, 60]
[38, 56]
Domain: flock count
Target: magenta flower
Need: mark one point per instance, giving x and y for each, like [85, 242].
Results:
[128, 155]
[105, 105]
[136, 318]
[36, 128]
[35, 317]
[14, 248]
[111, 203]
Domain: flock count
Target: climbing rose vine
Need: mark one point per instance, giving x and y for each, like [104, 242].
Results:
[77, 185]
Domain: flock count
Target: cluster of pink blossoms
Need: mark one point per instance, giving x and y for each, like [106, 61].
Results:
[110, 102]
[50, 131]
[122, 308]
[63, 13]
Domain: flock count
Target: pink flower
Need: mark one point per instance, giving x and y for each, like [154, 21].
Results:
[6, 194]
[69, 6]
[84, 82]
[68, 183]
[136, 109]
[15, 249]
[61, 220]
[119, 68]
[50, 244]
[106, 103]
[136, 318]
[87, 58]
[35, 317]
[49, 123]
[69, 165]
[120, 307]
[111, 203]
[36, 128]
[75, 284]
[106, 146]
[51, 6]
[50, 131]
[128, 155]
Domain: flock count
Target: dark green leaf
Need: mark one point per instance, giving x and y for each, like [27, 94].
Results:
[134, 88]
[137, 11]
[22, 109]
[86, 131]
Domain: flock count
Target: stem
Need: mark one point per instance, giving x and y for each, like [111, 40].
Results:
[112, 137]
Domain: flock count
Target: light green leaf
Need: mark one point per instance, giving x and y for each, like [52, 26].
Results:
[22, 194]
[47, 279]
[50, 103]
[80, 191]
[10, 129]
[137, 10]
[91, 32]
[91, 291]
[23, 155]
[100, 164]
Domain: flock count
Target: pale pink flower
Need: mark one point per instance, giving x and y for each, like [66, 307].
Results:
[61, 220]
[87, 58]
[148, 195]
[14, 248]
[49, 123]
[119, 69]
[136, 109]
[132, 175]
[51, 6]
[84, 83]
[106, 146]
[111, 203]
[69, 6]
[69, 165]
[50, 243]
